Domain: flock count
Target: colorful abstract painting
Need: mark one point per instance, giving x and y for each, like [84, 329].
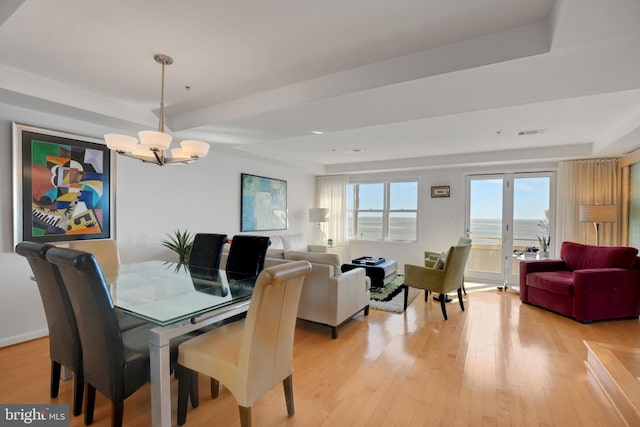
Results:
[263, 203]
[65, 188]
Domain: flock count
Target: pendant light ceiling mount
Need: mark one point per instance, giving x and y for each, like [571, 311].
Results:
[154, 145]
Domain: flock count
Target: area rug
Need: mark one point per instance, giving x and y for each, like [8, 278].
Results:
[391, 297]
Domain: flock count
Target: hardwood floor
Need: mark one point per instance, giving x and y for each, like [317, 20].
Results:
[616, 369]
[499, 363]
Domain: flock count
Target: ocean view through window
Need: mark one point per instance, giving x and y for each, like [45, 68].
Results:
[383, 211]
[489, 230]
[507, 213]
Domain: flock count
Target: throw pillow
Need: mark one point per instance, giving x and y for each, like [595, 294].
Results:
[275, 253]
[440, 261]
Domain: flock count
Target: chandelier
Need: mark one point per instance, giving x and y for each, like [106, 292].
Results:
[154, 145]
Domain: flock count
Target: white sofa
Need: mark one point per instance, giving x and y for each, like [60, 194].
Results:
[329, 296]
[291, 243]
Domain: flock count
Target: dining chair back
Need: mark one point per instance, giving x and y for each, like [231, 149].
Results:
[250, 357]
[64, 341]
[105, 251]
[247, 254]
[206, 250]
[116, 363]
[108, 257]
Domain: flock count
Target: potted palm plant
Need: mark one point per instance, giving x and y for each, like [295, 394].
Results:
[180, 242]
[545, 241]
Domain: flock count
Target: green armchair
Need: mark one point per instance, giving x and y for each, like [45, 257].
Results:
[431, 257]
[448, 279]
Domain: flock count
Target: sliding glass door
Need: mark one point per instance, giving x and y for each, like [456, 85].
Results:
[484, 225]
[506, 213]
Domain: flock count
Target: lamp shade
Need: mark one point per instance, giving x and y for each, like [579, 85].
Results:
[154, 140]
[123, 143]
[193, 148]
[319, 215]
[177, 153]
[598, 213]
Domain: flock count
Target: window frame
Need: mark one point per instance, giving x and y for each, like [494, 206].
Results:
[386, 211]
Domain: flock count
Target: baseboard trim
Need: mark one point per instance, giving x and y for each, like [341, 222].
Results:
[17, 339]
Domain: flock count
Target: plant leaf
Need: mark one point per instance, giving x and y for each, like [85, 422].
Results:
[179, 242]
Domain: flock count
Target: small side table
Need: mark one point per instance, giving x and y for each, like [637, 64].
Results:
[519, 257]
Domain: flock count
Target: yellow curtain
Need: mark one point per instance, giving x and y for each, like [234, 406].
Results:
[587, 182]
[331, 192]
[633, 231]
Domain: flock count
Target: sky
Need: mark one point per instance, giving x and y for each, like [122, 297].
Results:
[403, 196]
[531, 198]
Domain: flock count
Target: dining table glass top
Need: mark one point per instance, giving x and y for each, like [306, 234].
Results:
[166, 293]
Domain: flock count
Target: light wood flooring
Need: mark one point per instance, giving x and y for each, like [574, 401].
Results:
[499, 363]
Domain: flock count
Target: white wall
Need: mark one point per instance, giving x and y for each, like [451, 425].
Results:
[150, 202]
[205, 196]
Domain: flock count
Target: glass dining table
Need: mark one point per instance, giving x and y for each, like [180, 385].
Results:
[179, 300]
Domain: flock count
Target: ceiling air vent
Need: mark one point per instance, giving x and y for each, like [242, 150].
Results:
[531, 132]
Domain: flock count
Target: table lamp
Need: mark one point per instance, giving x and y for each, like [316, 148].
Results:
[597, 214]
[318, 216]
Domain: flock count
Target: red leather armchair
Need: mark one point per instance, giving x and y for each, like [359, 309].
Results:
[588, 283]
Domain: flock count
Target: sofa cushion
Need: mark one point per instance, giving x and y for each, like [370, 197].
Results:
[316, 258]
[557, 282]
[293, 242]
[579, 257]
[275, 253]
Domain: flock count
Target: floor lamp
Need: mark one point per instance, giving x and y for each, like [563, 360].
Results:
[597, 214]
[317, 216]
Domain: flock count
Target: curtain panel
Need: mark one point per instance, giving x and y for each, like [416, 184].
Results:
[634, 206]
[587, 182]
[331, 192]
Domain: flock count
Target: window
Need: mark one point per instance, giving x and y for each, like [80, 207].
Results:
[506, 213]
[383, 211]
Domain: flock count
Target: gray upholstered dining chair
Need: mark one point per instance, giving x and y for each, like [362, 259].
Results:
[64, 341]
[115, 362]
[247, 254]
[108, 257]
[206, 250]
[250, 357]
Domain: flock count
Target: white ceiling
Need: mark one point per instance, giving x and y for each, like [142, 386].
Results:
[407, 83]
